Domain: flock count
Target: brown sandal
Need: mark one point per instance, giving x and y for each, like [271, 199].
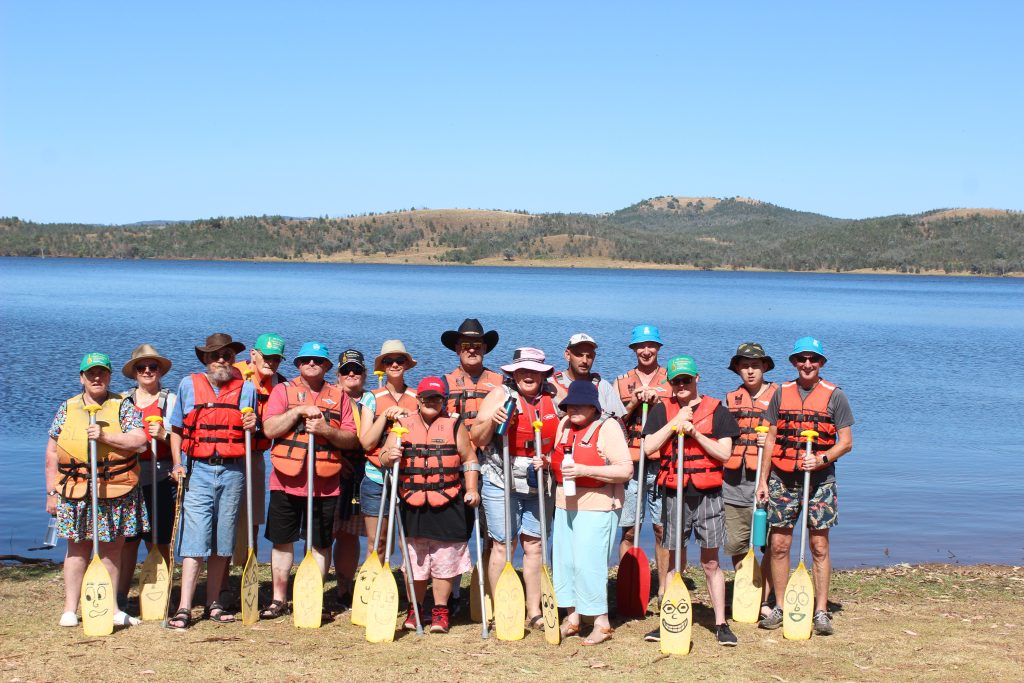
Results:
[568, 629]
[602, 634]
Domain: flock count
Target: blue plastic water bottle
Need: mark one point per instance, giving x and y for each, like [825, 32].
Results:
[760, 530]
[510, 405]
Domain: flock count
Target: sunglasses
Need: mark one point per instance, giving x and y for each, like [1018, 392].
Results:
[221, 355]
[681, 380]
[350, 370]
[314, 361]
[393, 360]
[807, 359]
[269, 359]
[471, 346]
[147, 367]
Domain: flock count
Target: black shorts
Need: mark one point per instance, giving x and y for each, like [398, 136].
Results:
[286, 514]
[165, 493]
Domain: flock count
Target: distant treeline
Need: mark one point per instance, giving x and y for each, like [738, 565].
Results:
[729, 233]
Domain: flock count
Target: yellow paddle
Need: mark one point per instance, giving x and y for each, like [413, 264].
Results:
[509, 599]
[308, 589]
[367, 573]
[250, 579]
[799, 598]
[676, 616]
[97, 599]
[748, 584]
[154, 585]
[382, 615]
[548, 599]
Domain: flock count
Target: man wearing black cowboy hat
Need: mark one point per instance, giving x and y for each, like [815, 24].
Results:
[468, 384]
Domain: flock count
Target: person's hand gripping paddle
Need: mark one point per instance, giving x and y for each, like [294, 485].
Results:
[98, 597]
[748, 584]
[509, 599]
[382, 614]
[154, 583]
[633, 585]
[548, 601]
[308, 590]
[799, 599]
[676, 617]
[250, 579]
[368, 571]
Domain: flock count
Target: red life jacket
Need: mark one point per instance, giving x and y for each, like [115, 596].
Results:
[795, 416]
[584, 451]
[214, 426]
[748, 414]
[520, 430]
[431, 469]
[289, 454]
[154, 409]
[704, 471]
[627, 384]
[464, 396]
[384, 401]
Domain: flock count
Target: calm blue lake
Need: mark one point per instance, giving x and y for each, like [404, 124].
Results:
[929, 363]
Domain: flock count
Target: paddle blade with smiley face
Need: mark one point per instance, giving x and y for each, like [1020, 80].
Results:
[97, 600]
[797, 605]
[154, 587]
[549, 607]
[676, 618]
[368, 571]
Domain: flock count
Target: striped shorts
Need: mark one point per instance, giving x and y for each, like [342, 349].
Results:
[703, 517]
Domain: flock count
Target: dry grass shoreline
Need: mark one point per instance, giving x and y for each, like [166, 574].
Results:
[928, 622]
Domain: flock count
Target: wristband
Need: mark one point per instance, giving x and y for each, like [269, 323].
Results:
[471, 467]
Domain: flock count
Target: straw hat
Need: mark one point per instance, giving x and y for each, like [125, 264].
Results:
[145, 352]
[390, 348]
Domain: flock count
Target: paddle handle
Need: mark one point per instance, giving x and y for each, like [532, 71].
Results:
[680, 442]
[640, 477]
[542, 490]
[758, 522]
[410, 585]
[152, 449]
[808, 434]
[310, 467]
[507, 466]
[398, 431]
[248, 479]
[480, 573]
[93, 481]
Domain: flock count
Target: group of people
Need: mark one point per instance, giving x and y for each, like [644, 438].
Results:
[457, 429]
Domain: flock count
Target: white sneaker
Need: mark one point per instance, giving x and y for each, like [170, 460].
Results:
[69, 619]
[125, 619]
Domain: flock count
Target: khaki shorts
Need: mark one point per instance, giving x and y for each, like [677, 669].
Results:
[737, 529]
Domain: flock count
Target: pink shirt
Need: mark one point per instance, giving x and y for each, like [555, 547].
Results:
[296, 485]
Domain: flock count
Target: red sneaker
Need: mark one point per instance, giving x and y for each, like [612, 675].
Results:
[439, 620]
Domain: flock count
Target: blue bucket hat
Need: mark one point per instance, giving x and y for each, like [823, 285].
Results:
[645, 333]
[582, 392]
[807, 345]
[314, 350]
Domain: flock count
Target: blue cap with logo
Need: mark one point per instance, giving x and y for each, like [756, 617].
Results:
[807, 345]
[645, 333]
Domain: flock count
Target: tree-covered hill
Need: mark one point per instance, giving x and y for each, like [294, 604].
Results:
[688, 232]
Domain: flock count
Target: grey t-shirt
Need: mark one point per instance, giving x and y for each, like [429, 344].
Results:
[611, 403]
[839, 410]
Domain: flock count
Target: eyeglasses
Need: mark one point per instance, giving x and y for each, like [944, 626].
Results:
[393, 360]
[314, 361]
[270, 359]
[221, 355]
[681, 380]
[807, 359]
[471, 346]
[147, 367]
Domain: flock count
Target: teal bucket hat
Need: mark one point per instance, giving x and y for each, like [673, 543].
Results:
[314, 350]
[645, 333]
[682, 365]
[808, 345]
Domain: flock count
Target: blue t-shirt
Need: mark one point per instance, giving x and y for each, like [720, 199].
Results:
[187, 400]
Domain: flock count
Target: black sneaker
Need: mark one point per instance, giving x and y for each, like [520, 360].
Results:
[773, 620]
[654, 636]
[725, 635]
[822, 623]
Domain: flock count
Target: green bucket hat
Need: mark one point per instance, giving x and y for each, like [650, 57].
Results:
[92, 360]
[270, 344]
[682, 365]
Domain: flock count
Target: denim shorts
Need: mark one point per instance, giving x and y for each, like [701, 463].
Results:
[370, 495]
[211, 507]
[525, 512]
[651, 508]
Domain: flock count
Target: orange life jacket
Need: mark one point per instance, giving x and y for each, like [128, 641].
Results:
[795, 416]
[584, 451]
[384, 401]
[260, 441]
[520, 430]
[704, 471]
[154, 409]
[117, 471]
[627, 384]
[289, 454]
[748, 414]
[214, 426]
[431, 469]
[464, 396]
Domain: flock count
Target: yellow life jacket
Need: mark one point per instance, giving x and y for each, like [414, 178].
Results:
[117, 471]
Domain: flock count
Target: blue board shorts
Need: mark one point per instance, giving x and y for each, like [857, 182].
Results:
[210, 508]
[651, 507]
[525, 512]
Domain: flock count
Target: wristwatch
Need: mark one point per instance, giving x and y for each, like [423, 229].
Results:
[51, 492]
[824, 460]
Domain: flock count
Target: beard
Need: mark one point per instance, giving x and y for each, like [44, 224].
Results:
[219, 375]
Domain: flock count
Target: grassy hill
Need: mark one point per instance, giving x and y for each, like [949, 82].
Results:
[690, 232]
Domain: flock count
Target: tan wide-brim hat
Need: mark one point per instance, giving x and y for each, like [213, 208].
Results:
[389, 348]
[145, 352]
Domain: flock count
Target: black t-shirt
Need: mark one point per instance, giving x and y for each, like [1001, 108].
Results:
[723, 425]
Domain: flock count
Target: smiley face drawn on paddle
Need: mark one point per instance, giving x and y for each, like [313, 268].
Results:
[250, 595]
[156, 591]
[797, 602]
[364, 582]
[95, 597]
[549, 609]
[307, 583]
[675, 616]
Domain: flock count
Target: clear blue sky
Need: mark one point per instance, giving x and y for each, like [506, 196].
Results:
[117, 112]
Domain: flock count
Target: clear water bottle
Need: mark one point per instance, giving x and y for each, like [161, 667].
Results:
[50, 541]
[568, 485]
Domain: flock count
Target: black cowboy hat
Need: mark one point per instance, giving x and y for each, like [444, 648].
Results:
[471, 328]
[216, 342]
